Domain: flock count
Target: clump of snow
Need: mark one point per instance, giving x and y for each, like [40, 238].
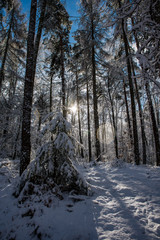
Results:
[58, 124]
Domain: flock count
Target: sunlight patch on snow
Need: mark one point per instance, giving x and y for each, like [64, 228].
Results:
[125, 205]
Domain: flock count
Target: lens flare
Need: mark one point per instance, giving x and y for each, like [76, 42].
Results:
[73, 108]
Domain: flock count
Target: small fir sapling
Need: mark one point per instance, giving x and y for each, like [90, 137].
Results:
[54, 161]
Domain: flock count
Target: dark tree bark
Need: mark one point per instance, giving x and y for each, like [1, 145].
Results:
[128, 114]
[28, 91]
[131, 88]
[157, 109]
[133, 107]
[151, 108]
[63, 79]
[154, 124]
[113, 120]
[143, 135]
[95, 98]
[32, 54]
[51, 94]
[51, 99]
[103, 132]
[79, 119]
[38, 36]
[88, 121]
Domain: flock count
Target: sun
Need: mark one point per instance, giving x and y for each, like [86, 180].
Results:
[73, 108]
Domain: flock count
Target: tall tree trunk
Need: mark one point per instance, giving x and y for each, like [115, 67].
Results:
[131, 87]
[50, 95]
[63, 79]
[128, 114]
[157, 109]
[6, 51]
[79, 119]
[103, 132]
[38, 36]
[143, 135]
[133, 107]
[153, 118]
[113, 120]
[95, 98]
[32, 54]
[28, 91]
[154, 124]
[88, 121]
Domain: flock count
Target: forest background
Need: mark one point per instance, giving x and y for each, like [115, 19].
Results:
[106, 83]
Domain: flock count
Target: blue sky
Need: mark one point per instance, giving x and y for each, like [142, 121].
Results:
[71, 6]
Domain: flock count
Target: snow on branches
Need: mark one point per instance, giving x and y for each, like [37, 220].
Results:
[54, 161]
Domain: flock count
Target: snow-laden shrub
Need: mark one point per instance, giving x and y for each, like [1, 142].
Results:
[54, 160]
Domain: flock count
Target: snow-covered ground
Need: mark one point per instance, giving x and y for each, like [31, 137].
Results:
[125, 206]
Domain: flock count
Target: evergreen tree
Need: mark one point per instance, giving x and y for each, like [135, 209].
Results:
[90, 29]
[76, 70]
[57, 37]
[120, 19]
[13, 39]
[46, 7]
[146, 32]
[53, 164]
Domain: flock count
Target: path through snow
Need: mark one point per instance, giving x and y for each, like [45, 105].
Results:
[127, 202]
[125, 206]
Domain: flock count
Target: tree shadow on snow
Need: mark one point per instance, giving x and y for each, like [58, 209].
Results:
[114, 218]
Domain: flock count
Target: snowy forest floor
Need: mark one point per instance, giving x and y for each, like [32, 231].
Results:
[125, 205]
